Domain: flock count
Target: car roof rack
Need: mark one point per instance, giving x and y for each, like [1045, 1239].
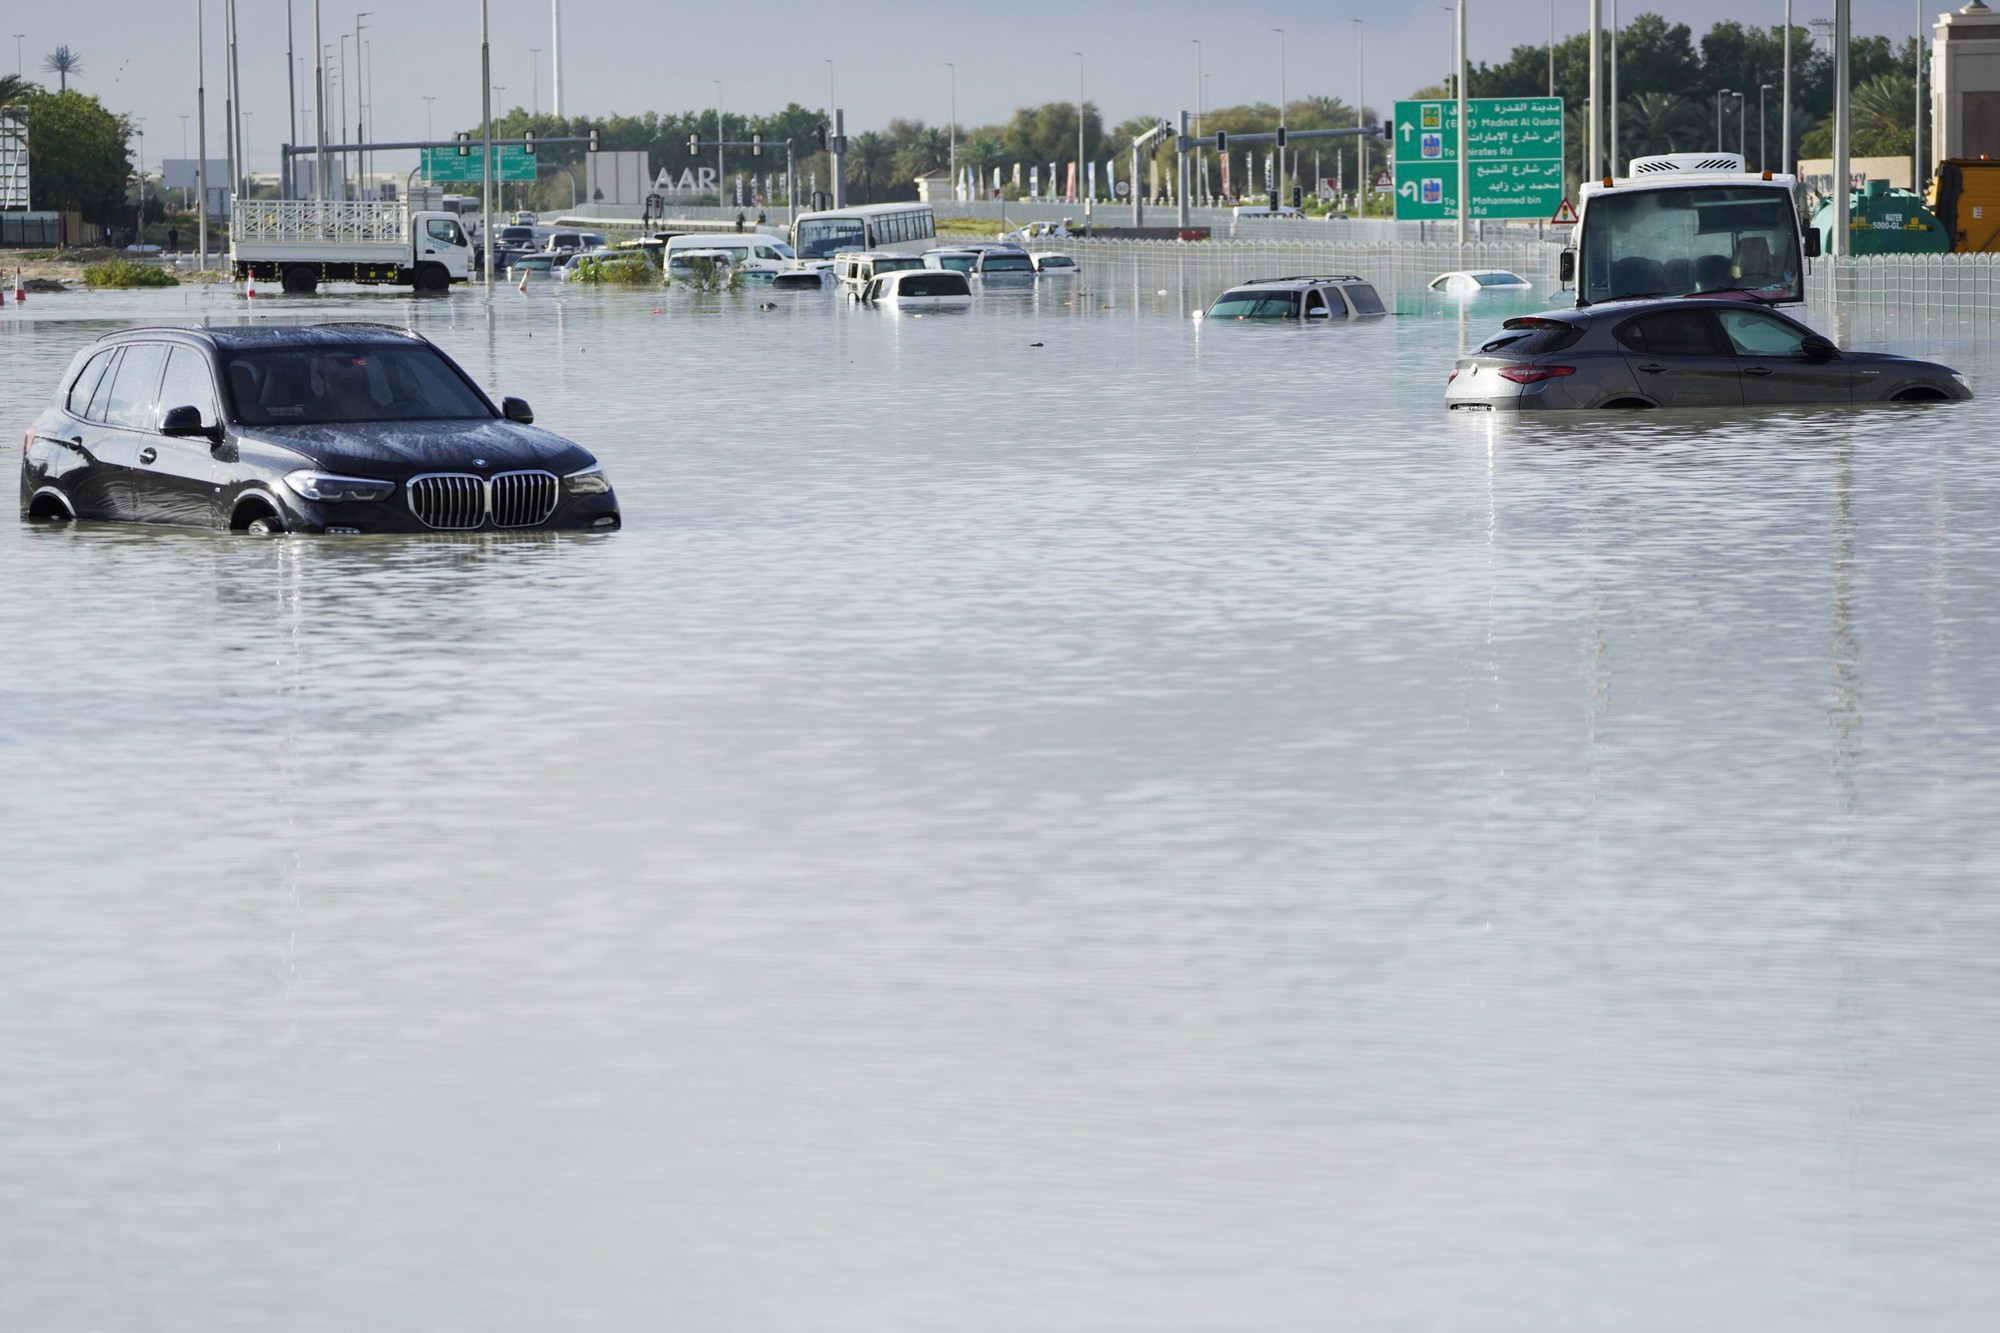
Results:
[1314, 277]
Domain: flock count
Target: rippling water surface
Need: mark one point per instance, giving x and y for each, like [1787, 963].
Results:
[1057, 817]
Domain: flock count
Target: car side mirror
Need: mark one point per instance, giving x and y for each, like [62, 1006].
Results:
[185, 422]
[1566, 266]
[517, 410]
[1319, 312]
[1817, 348]
[1812, 243]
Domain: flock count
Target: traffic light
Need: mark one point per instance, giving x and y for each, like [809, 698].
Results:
[529, 146]
[756, 145]
[464, 144]
[819, 137]
[694, 145]
[1281, 136]
[1222, 141]
[1298, 196]
[593, 141]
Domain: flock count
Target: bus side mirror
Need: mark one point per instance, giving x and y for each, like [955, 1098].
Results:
[1566, 267]
[1812, 242]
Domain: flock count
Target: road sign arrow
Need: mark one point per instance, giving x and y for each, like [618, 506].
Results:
[1408, 129]
[1408, 189]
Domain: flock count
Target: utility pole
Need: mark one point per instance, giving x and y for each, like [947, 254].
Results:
[1917, 121]
[201, 126]
[1552, 48]
[1464, 134]
[319, 107]
[1843, 97]
[718, 141]
[1612, 100]
[555, 38]
[1079, 135]
[1763, 122]
[291, 108]
[1595, 167]
[1785, 114]
[1198, 77]
[1742, 117]
[360, 131]
[954, 127]
[229, 90]
[486, 145]
[1360, 118]
[1720, 93]
[535, 82]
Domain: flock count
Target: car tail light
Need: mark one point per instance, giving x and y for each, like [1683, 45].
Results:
[1454, 375]
[1532, 374]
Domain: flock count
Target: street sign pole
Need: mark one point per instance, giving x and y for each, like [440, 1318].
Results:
[1464, 135]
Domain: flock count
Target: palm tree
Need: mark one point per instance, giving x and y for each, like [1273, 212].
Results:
[14, 88]
[62, 62]
[872, 162]
[1883, 109]
[1659, 123]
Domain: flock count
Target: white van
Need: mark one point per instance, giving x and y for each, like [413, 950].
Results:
[855, 269]
[740, 247]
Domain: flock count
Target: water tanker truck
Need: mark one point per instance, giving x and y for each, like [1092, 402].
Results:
[301, 243]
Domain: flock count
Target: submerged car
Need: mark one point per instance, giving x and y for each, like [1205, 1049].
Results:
[1713, 352]
[1054, 265]
[921, 289]
[334, 428]
[1328, 296]
[1471, 282]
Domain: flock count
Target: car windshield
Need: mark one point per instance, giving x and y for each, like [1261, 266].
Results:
[1681, 241]
[821, 237]
[1496, 279]
[899, 263]
[283, 386]
[1255, 305]
[1009, 264]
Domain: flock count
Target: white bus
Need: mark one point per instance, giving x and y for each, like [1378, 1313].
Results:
[910, 228]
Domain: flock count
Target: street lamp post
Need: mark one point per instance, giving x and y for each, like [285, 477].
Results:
[360, 132]
[718, 140]
[430, 135]
[1464, 132]
[535, 82]
[486, 146]
[20, 71]
[1742, 122]
[1720, 93]
[1785, 96]
[201, 129]
[1360, 118]
[1763, 118]
[1199, 76]
[953, 132]
[319, 106]
[1079, 136]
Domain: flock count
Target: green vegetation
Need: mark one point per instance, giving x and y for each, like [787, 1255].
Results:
[125, 273]
[76, 155]
[706, 275]
[623, 271]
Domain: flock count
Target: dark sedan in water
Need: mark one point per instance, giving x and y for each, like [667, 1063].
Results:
[1719, 352]
[338, 428]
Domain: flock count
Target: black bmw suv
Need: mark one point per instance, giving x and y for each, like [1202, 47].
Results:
[338, 428]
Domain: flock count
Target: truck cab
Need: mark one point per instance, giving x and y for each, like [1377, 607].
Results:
[1687, 224]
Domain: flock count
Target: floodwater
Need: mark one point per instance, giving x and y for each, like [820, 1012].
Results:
[1058, 817]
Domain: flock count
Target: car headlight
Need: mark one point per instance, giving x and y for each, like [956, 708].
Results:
[328, 488]
[590, 481]
[1963, 382]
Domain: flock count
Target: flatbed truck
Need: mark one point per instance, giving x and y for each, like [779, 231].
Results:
[301, 243]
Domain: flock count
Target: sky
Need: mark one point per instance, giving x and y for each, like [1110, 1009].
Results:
[888, 56]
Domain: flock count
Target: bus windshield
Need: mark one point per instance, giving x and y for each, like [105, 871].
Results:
[1679, 242]
[822, 237]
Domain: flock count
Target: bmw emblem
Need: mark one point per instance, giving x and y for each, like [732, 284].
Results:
[479, 462]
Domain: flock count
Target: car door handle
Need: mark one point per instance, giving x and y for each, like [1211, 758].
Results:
[1758, 371]
[1652, 370]
[148, 454]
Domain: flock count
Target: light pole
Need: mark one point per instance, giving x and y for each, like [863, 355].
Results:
[201, 128]
[486, 146]
[1917, 120]
[291, 108]
[1360, 118]
[1078, 191]
[1596, 94]
[345, 77]
[1611, 99]
[20, 71]
[954, 127]
[319, 106]
[1742, 121]
[1720, 93]
[1280, 177]
[1785, 96]
[430, 136]
[718, 141]
[535, 82]
[1464, 128]
[1763, 119]
[555, 56]
[1199, 79]
[1843, 111]
[1552, 48]
[139, 131]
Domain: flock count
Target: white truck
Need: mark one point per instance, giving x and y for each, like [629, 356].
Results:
[304, 242]
[1685, 224]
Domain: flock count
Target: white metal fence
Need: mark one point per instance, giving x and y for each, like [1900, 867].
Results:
[347, 223]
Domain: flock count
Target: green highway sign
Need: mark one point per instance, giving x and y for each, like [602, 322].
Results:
[1516, 158]
[509, 164]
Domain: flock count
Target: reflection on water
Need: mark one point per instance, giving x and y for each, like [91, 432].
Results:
[1060, 815]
